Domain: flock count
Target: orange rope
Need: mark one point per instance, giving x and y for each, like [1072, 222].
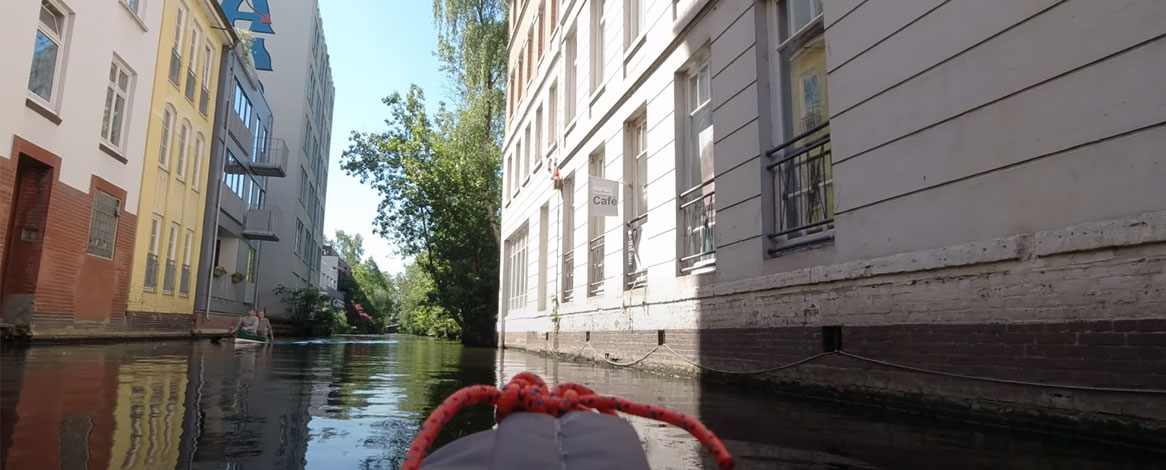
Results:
[528, 392]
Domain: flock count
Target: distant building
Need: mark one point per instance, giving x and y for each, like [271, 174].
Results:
[292, 61]
[926, 185]
[75, 108]
[174, 180]
[241, 220]
[330, 263]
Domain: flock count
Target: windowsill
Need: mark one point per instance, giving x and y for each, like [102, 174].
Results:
[808, 242]
[596, 93]
[43, 110]
[148, 289]
[164, 168]
[571, 125]
[112, 152]
[134, 15]
[634, 47]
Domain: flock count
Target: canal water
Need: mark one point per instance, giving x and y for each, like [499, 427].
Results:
[357, 403]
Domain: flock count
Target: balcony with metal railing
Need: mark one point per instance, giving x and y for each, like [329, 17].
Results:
[568, 276]
[699, 215]
[151, 281]
[168, 277]
[636, 272]
[595, 263]
[270, 158]
[803, 186]
[261, 223]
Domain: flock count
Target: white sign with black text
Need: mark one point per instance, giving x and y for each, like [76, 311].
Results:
[602, 197]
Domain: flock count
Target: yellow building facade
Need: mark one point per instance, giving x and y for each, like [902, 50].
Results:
[178, 144]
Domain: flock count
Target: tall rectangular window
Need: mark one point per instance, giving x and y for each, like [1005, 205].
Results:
[542, 31]
[596, 235]
[176, 47]
[103, 224]
[204, 97]
[543, 224]
[526, 156]
[299, 236]
[172, 242]
[598, 25]
[171, 249]
[518, 278]
[116, 100]
[183, 139]
[636, 135]
[570, 76]
[192, 65]
[803, 180]
[167, 129]
[187, 246]
[516, 179]
[698, 195]
[633, 21]
[567, 238]
[553, 115]
[538, 137]
[47, 52]
[151, 281]
[199, 147]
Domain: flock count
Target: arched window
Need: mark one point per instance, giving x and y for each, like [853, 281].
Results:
[183, 140]
[164, 150]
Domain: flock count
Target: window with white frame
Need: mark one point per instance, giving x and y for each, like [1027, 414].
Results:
[116, 102]
[636, 133]
[183, 140]
[168, 116]
[538, 137]
[151, 281]
[155, 234]
[204, 98]
[299, 237]
[801, 166]
[633, 21]
[570, 76]
[48, 51]
[697, 187]
[596, 234]
[567, 238]
[192, 65]
[553, 115]
[526, 156]
[103, 224]
[187, 245]
[516, 247]
[171, 248]
[598, 56]
[176, 48]
[199, 146]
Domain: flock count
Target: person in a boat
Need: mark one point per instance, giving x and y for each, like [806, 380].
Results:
[265, 326]
[249, 324]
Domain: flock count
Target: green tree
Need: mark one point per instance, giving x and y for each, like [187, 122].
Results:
[439, 175]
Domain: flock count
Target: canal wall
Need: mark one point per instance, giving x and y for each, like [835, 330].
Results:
[1063, 325]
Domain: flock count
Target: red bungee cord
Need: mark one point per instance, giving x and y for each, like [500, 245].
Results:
[528, 392]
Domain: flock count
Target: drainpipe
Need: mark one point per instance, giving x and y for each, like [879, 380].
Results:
[211, 265]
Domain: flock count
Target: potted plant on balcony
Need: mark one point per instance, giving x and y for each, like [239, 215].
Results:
[220, 271]
[237, 278]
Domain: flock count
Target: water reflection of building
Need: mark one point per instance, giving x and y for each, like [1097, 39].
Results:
[149, 414]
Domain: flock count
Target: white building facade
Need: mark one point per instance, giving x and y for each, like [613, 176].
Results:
[74, 111]
[801, 176]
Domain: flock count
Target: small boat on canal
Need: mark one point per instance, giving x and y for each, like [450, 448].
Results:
[244, 339]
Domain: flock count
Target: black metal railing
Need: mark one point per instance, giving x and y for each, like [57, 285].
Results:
[699, 214]
[595, 266]
[803, 185]
[204, 100]
[175, 66]
[184, 280]
[568, 276]
[168, 277]
[190, 77]
[636, 270]
[151, 281]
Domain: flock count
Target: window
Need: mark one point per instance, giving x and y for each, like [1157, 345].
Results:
[250, 264]
[541, 33]
[187, 246]
[151, 281]
[196, 179]
[242, 105]
[103, 224]
[509, 183]
[553, 115]
[303, 190]
[636, 133]
[155, 234]
[164, 151]
[530, 54]
[538, 137]
[116, 100]
[47, 52]
[516, 247]
[526, 156]
[569, 76]
[633, 21]
[168, 274]
[258, 140]
[176, 48]
[299, 237]
[803, 182]
[697, 197]
[173, 241]
[598, 23]
[595, 235]
[195, 32]
[183, 135]
[204, 98]
[543, 262]
[567, 236]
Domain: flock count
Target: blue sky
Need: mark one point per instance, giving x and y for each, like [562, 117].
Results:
[376, 47]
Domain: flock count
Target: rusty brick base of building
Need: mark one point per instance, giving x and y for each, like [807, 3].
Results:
[1101, 378]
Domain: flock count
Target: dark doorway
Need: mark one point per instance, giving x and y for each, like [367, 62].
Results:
[26, 227]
